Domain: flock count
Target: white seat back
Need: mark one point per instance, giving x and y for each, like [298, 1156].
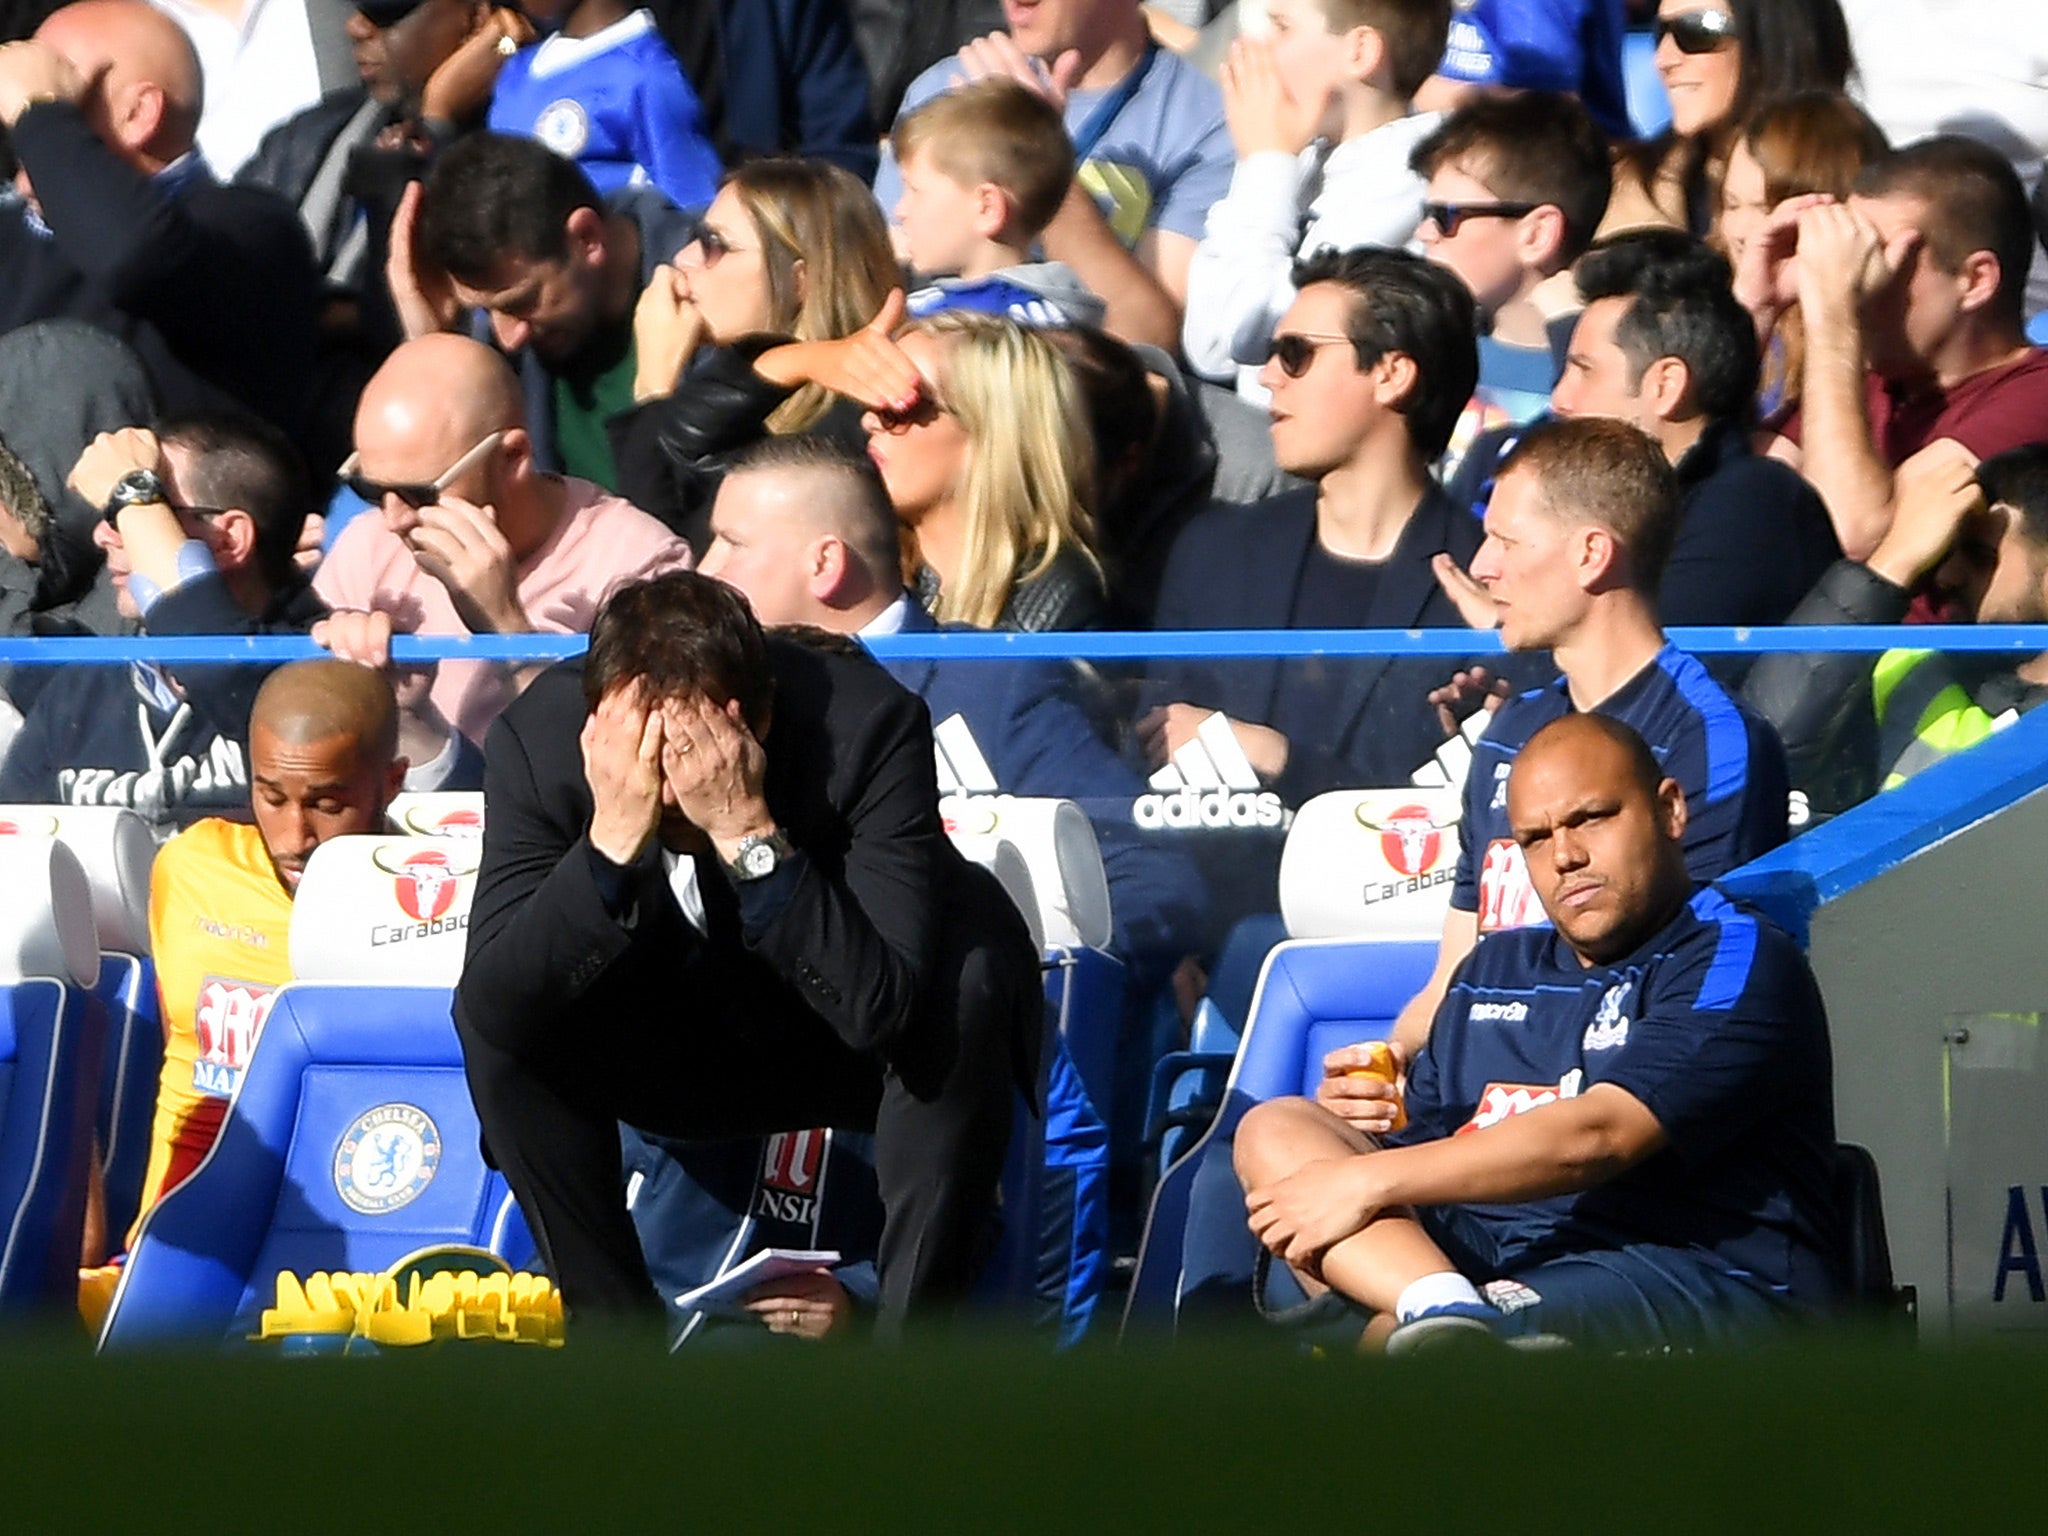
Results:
[1370, 863]
[392, 911]
[1002, 858]
[1058, 846]
[116, 849]
[46, 921]
[442, 813]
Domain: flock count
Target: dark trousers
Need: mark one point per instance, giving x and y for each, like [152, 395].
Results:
[738, 1053]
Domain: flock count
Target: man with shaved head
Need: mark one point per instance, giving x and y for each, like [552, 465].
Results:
[121, 224]
[1622, 1127]
[323, 763]
[467, 534]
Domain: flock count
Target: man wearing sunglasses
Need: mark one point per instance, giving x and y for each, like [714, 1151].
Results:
[121, 224]
[467, 534]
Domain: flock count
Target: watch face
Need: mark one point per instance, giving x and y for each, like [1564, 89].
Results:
[759, 860]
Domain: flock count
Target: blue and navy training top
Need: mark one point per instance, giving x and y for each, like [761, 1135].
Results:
[1716, 1025]
[1728, 761]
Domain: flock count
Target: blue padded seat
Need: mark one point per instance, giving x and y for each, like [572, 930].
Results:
[51, 1038]
[1313, 995]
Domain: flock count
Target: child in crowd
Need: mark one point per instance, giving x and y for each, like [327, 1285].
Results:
[984, 170]
[1319, 109]
[1517, 188]
[605, 91]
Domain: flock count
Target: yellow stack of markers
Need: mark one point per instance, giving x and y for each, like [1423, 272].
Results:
[460, 1304]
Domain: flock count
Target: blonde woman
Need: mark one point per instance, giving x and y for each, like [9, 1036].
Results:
[789, 249]
[991, 470]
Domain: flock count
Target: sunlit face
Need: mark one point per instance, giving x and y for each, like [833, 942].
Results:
[177, 465]
[1320, 419]
[1908, 322]
[724, 273]
[1745, 201]
[1047, 28]
[1308, 56]
[1485, 250]
[1596, 379]
[396, 59]
[418, 449]
[1600, 848]
[1702, 86]
[305, 793]
[551, 306]
[763, 544]
[935, 218]
[1527, 563]
[923, 453]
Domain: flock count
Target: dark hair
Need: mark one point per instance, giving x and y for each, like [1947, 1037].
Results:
[1595, 469]
[1788, 46]
[864, 517]
[1407, 304]
[241, 461]
[677, 635]
[2019, 478]
[492, 197]
[1123, 416]
[1974, 202]
[1539, 147]
[1683, 305]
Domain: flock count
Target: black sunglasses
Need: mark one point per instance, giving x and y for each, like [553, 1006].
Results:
[1448, 216]
[413, 494]
[1295, 350]
[1697, 31]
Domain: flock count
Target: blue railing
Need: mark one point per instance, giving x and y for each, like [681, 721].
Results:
[1216, 644]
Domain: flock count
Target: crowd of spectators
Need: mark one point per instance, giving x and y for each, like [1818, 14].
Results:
[437, 317]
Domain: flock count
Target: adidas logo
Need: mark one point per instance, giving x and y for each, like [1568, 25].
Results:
[962, 768]
[1209, 783]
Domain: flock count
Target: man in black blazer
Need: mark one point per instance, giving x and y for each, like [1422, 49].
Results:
[716, 900]
[125, 227]
[1368, 371]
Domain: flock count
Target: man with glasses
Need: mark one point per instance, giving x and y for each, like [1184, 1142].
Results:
[466, 533]
[1368, 369]
[202, 516]
[1517, 187]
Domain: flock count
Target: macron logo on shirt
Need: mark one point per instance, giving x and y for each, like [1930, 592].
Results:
[1209, 783]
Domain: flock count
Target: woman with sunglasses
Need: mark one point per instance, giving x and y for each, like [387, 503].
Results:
[789, 250]
[991, 471]
[1720, 60]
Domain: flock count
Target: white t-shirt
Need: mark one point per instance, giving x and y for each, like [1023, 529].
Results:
[257, 72]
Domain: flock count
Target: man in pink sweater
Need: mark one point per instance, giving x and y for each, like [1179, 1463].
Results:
[466, 536]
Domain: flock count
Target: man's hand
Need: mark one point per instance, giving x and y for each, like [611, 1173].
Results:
[32, 72]
[1474, 603]
[1369, 1104]
[622, 752]
[1470, 689]
[420, 292]
[312, 542]
[458, 544]
[1263, 113]
[867, 366]
[715, 771]
[998, 54]
[667, 331]
[110, 456]
[1844, 262]
[352, 634]
[460, 87]
[808, 1306]
[1767, 279]
[1165, 730]
[1299, 1217]
[1933, 492]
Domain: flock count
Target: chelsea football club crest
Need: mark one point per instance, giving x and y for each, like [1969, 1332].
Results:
[1609, 1028]
[386, 1160]
[564, 127]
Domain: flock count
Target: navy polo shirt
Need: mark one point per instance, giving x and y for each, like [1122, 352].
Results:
[1728, 761]
[1716, 1025]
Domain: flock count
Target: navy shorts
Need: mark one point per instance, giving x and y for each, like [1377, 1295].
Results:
[1639, 1297]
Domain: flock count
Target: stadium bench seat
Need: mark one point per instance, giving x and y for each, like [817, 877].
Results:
[1196, 1255]
[351, 1141]
[439, 813]
[52, 1036]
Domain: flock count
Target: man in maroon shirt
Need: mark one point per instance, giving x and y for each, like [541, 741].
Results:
[1912, 294]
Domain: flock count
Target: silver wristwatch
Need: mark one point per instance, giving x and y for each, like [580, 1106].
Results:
[137, 488]
[759, 857]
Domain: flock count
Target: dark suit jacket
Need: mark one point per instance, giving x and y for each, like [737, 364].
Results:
[1239, 567]
[1037, 739]
[213, 286]
[852, 927]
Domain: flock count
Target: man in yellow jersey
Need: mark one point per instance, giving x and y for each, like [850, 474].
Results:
[323, 762]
